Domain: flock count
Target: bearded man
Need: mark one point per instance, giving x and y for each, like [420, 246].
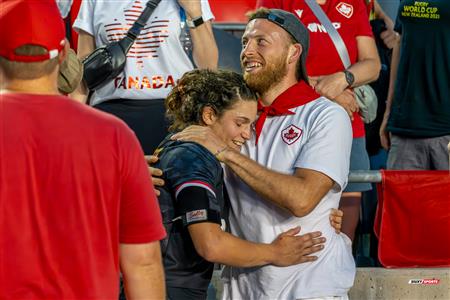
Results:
[293, 169]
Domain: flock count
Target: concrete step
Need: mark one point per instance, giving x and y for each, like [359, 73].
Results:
[388, 284]
[405, 284]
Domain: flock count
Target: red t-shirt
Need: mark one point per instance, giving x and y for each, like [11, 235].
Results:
[350, 19]
[73, 185]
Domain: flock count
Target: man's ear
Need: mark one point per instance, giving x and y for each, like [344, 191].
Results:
[295, 50]
[209, 116]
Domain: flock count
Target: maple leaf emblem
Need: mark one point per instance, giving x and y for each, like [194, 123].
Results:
[345, 9]
[291, 134]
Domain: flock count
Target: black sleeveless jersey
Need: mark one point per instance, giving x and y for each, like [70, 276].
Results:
[185, 166]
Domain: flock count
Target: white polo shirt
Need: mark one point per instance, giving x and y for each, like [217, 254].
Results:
[157, 59]
[317, 137]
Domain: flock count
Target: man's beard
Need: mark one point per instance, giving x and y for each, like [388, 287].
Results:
[269, 76]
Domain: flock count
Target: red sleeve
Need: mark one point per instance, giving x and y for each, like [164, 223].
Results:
[268, 3]
[363, 27]
[140, 216]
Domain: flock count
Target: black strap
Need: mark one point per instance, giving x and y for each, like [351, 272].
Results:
[68, 23]
[134, 31]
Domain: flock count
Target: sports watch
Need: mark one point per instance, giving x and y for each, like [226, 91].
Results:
[194, 23]
[349, 77]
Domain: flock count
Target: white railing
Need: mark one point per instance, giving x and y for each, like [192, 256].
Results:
[374, 176]
[364, 176]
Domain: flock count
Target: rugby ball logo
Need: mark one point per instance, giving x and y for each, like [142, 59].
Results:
[291, 134]
[345, 9]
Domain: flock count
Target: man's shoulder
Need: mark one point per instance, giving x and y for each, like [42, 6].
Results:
[92, 117]
[58, 106]
[323, 113]
[84, 118]
[324, 106]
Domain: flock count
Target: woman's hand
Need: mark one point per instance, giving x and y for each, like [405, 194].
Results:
[155, 172]
[348, 101]
[329, 86]
[291, 248]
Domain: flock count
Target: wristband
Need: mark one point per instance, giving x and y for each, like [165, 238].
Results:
[195, 22]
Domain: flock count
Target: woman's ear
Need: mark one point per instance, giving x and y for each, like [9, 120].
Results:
[209, 116]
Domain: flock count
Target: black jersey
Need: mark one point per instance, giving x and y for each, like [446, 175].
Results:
[193, 192]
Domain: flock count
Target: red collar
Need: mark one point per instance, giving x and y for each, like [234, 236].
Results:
[297, 95]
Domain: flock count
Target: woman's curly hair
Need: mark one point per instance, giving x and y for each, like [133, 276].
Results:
[218, 89]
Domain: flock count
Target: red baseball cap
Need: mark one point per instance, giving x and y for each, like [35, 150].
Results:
[34, 22]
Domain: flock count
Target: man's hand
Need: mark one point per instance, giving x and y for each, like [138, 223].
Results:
[389, 37]
[348, 101]
[329, 86]
[336, 216]
[291, 249]
[202, 135]
[155, 172]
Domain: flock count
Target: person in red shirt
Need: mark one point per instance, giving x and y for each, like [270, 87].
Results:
[330, 79]
[76, 201]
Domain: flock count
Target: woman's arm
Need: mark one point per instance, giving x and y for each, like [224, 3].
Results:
[368, 66]
[218, 246]
[389, 36]
[205, 52]
[384, 134]
[365, 70]
[86, 45]
[195, 204]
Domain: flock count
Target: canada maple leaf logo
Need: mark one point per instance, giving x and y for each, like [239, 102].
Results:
[345, 9]
[291, 134]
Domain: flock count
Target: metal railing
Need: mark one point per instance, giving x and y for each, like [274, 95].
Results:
[364, 176]
[230, 26]
[375, 175]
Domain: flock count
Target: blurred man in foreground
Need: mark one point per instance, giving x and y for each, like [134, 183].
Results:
[75, 195]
